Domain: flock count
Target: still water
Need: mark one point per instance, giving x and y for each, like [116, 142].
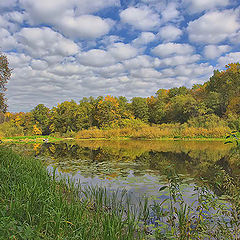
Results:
[137, 166]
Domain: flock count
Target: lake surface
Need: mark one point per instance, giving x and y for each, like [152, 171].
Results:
[137, 166]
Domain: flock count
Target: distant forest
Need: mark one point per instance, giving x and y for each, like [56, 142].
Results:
[213, 104]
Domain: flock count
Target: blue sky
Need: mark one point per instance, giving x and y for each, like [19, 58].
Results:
[70, 49]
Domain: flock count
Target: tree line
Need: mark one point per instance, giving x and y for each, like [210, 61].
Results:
[214, 103]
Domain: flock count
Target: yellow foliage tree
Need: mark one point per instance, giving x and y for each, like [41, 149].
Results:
[36, 130]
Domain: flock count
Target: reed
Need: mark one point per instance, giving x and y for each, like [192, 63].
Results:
[208, 217]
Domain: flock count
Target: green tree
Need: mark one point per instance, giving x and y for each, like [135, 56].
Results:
[181, 108]
[226, 83]
[64, 117]
[156, 109]
[41, 117]
[139, 108]
[5, 74]
[215, 103]
[177, 91]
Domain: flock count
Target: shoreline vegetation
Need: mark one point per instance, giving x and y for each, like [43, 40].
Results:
[41, 139]
[37, 204]
[158, 132]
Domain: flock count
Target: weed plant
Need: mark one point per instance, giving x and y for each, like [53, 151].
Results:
[210, 216]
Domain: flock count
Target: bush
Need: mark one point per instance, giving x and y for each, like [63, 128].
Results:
[132, 123]
[206, 121]
[69, 134]
[9, 129]
[234, 121]
[91, 133]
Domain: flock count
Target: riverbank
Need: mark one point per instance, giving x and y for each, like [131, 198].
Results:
[50, 139]
[36, 206]
[156, 132]
[33, 139]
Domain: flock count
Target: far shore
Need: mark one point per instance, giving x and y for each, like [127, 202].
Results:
[50, 139]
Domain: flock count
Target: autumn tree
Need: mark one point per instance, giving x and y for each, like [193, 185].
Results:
[41, 118]
[108, 112]
[5, 74]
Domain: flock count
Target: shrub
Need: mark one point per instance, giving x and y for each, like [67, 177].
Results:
[234, 121]
[206, 121]
[132, 123]
[9, 129]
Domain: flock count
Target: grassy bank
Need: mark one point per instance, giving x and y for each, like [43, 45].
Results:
[36, 206]
[32, 139]
[105, 135]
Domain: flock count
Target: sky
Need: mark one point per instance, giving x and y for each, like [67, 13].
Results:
[69, 49]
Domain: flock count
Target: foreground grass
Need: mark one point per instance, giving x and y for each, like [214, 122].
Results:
[34, 205]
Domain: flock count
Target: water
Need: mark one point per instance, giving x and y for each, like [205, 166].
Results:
[137, 166]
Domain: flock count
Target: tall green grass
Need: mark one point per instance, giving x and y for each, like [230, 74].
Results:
[34, 205]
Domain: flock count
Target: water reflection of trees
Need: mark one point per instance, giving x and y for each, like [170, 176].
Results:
[110, 159]
[195, 159]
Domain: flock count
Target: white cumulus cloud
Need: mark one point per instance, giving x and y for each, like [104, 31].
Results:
[8, 42]
[40, 42]
[214, 51]
[177, 60]
[122, 51]
[229, 58]
[170, 12]
[85, 26]
[213, 27]
[170, 33]
[167, 49]
[96, 58]
[202, 5]
[144, 38]
[71, 17]
[9, 4]
[38, 64]
[140, 18]
[142, 61]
